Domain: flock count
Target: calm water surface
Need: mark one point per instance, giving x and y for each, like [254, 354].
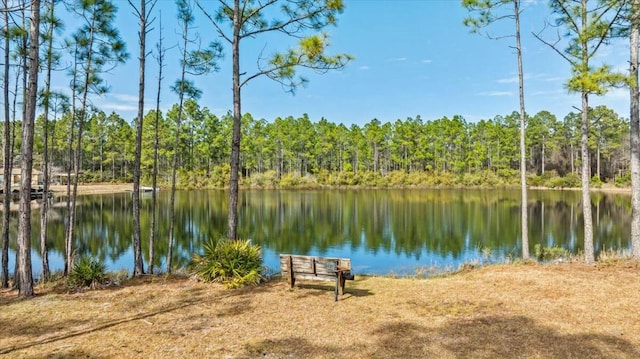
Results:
[383, 231]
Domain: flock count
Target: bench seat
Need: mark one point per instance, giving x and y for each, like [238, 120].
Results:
[302, 267]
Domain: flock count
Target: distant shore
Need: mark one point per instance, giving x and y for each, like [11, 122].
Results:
[94, 188]
[104, 188]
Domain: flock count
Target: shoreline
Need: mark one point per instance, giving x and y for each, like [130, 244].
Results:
[97, 188]
[108, 188]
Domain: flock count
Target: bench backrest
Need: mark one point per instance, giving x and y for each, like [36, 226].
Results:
[318, 266]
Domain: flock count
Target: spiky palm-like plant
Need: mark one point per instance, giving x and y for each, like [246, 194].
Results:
[233, 263]
[87, 272]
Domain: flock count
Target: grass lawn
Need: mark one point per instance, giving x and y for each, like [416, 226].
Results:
[504, 311]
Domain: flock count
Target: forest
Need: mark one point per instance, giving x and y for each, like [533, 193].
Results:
[288, 151]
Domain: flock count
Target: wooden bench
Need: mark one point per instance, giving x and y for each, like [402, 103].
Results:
[295, 267]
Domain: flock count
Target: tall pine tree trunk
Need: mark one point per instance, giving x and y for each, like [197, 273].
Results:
[77, 156]
[137, 243]
[544, 150]
[523, 161]
[589, 255]
[234, 160]
[156, 140]
[635, 131]
[176, 145]
[24, 275]
[7, 158]
[44, 250]
[68, 241]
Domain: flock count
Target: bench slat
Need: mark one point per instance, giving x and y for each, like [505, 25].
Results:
[307, 264]
[306, 276]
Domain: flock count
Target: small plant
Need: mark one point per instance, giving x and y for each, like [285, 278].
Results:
[596, 182]
[232, 263]
[550, 253]
[609, 257]
[87, 272]
[118, 277]
[487, 254]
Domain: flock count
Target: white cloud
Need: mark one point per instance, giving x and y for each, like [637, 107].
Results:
[546, 93]
[496, 93]
[514, 79]
[618, 93]
[114, 106]
[364, 68]
[509, 80]
[397, 59]
[426, 61]
[124, 97]
[553, 78]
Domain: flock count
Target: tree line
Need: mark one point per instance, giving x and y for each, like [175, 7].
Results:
[322, 152]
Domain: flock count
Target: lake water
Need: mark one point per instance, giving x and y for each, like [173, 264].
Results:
[382, 231]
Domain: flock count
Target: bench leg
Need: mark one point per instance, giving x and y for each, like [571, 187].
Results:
[339, 284]
[292, 279]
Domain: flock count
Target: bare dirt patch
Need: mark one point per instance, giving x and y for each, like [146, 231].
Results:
[552, 311]
[94, 188]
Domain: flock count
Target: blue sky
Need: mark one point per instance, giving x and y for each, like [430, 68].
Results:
[412, 57]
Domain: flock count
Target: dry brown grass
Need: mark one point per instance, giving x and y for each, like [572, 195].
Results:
[95, 188]
[526, 311]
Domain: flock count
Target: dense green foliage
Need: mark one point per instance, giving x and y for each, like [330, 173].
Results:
[234, 263]
[297, 152]
[87, 272]
[549, 253]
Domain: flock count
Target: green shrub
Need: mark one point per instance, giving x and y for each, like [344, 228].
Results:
[232, 263]
[535, 181]
[549, 253]
[397, 178]
[510, 175]
[87, 272]
[444, 179]
[571, 180]
[345, 178]
[471, 180]
[220, 176]
[290, 180]
[294, 180]
[268, 179]
[624, 180]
